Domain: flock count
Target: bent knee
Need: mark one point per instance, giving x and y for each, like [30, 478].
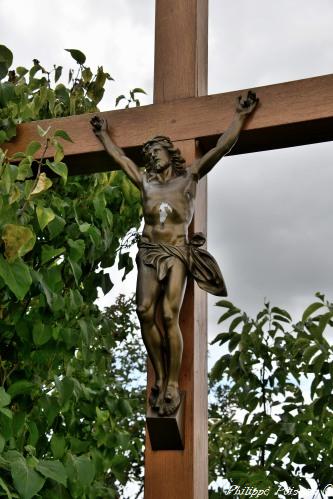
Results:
[170, 314]
[145, 312]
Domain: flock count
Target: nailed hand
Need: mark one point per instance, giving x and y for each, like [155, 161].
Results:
[246, 106]
[98, 124]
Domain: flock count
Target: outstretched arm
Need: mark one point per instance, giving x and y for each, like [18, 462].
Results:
[226, 142]
[100, 129]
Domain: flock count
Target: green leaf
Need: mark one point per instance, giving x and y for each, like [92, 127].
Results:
[119, 98]
[310, 309]
[234, 341]
[16, 276]
[125, 407]
[49, 252]
[76, 269]
[41, 333]
[125, 262]
[76, 300]
[44, 216]
[3, 135]
[57, 73]
[21, 71]
[5, 488]
[26, 480]
[9, 176]
[222, 338]
[20, 387]
[64, 135]
[319, 406]
[33, 434]
[65, 388]
[62, 94]
[18, 240]
[280, 311]
[316, 381]
[2, 443]
[6, 60]
[77, 248]
[235, 322]
[85, 469]
[309, 353]
[7, 412]
[228, 314]
[219, 367]
[138, 91]
[5, 398]
[119, 464]
[24, 169]
[59, 152]
[77, 55]
[59, 168]
[53, 469]
[58, 445]
[32, 148]
[281, 318]
[225, 304]
[106, 283]
[84, 227]
[56, 226]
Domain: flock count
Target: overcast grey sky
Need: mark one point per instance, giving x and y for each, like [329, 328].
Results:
[269, 213]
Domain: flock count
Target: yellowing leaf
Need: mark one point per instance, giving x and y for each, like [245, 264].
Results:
[44, 216]
[42, 185]
[59, 154]
[42, 132]
[14, 195]
[18, 241]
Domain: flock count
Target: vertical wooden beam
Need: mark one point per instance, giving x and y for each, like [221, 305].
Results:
[181, 49]
[181, 71]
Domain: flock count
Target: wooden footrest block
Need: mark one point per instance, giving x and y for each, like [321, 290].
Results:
[167, 432]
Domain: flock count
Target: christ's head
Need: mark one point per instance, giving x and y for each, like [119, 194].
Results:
[161, 154]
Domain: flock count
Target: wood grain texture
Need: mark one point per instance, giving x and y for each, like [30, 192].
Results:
[289, 114]
[181, 49]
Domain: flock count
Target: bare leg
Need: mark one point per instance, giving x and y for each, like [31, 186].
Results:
[147, 295]
[172, 303]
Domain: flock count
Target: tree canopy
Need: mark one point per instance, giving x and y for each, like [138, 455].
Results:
[65, 413]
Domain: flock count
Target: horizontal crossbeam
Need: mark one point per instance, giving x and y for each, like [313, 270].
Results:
[290, 114]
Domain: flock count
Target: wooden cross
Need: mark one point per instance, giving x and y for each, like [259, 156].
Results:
[290, 114]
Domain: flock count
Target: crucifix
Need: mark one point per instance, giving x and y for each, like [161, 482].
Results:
[294, 113]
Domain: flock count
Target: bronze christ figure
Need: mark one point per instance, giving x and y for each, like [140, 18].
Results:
[166, 256]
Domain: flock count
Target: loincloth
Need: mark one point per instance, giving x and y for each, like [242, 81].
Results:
[200, 264]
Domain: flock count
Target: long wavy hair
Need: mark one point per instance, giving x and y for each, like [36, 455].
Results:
[177, 161]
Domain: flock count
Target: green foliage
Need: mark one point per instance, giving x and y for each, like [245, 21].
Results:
[29, 94]
[132, 98]
[284, 437]
[70, 420]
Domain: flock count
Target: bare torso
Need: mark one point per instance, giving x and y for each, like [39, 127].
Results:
[168, 208]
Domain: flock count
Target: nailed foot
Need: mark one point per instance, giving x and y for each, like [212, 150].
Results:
[171, 400]
[156, 397]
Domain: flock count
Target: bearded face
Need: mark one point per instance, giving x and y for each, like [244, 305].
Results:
[159, 157]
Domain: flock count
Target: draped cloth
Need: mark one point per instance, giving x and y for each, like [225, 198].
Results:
[200, 264]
